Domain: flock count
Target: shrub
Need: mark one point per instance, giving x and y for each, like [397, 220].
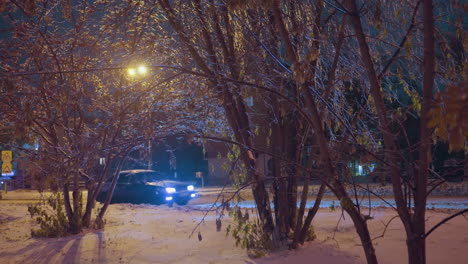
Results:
[248, 233]
[50, 216]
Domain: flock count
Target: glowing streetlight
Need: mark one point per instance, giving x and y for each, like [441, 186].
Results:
[142, 70]
[139, 71]
[132, 72]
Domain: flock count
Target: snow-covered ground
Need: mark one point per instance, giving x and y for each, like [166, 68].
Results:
[457, 203]
[158, 234]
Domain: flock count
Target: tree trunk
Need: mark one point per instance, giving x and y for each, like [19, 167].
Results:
[390, 146]
[311, 214]
[292, 183]
[358, 220]
[337, 186]
[86, 220]
[75, 222]
[416, 250]
[242, 134]
[300, 213]
[416, 243]
[99, 222]
[280, 185]
[263, 207]
[66, 202]
[93, 192]
[363, 231]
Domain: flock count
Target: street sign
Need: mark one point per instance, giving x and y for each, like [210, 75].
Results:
[7, 169]
[7, 156]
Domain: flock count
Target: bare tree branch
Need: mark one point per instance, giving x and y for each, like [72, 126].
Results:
[445, 220]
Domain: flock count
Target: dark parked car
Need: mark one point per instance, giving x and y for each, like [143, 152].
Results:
[147, 186]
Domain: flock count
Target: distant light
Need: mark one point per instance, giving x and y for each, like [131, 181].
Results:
[131, 72]
[142, 70]
[193, 195]
[169, 198]
[190, 188]
[170, 190]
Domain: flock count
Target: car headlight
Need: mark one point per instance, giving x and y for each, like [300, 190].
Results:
[170, 190]
[190, 188]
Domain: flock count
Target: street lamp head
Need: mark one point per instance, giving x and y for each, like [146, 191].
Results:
[132, 72]
[139, 71]
[142, 70]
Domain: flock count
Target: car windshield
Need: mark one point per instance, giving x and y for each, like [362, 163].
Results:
[150, 176]
[145, 177]
[139, 177]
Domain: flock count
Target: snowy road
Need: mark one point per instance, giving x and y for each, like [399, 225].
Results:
[432, 203]
[207, 197]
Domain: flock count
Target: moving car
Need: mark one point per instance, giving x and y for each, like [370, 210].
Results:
[148, 186]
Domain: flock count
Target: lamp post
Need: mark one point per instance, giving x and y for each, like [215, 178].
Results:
[134, 72]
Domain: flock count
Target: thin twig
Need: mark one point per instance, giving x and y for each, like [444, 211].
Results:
[402, 43]
[376, 195]
[386, 226]
[339, 220]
